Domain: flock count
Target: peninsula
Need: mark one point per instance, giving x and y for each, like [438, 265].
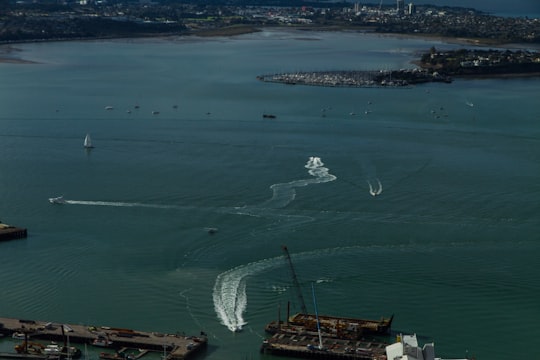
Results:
[435, 66]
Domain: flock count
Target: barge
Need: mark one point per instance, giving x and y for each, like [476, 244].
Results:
[331, 326]
[8, 232]
[405, 348]
[177, 347]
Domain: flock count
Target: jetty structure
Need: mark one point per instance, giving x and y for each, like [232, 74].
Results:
[358, 78]
[9, 232]
[306, 324]
[177, 347]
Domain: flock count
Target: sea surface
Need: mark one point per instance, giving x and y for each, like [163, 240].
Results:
[450, 246]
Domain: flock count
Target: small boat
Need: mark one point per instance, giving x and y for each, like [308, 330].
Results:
[18, 335]
[52, 349]
[269, 116]
[211, 230]
[63, 352]
[57, 200]
[88, 142]
[102, 341]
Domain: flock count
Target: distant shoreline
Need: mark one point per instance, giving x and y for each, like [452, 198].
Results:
[8, 49]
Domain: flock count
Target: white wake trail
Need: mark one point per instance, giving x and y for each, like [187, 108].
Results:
[120, 204]
[285, 193]
[229, 294]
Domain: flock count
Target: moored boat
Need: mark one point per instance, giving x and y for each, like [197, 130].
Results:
[102, 341]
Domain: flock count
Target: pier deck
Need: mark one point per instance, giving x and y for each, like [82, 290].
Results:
[178, 347]
[8, 232]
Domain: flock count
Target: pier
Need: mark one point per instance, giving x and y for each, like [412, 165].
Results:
[177, 347]
[8, 232]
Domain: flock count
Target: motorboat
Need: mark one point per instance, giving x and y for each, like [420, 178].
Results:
[52, 349]
[102, 341]
[57, 200]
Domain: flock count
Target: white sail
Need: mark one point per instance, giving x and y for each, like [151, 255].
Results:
[88, 142]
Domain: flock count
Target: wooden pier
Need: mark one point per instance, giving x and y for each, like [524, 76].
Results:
[8, 232]
[177, 347]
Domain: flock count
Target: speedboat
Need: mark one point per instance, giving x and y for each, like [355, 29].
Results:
[57, 200]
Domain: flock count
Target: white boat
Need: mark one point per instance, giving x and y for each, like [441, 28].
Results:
[52, 349]
[88, 142]
[57, 200]
[102, 341]
[18, 335]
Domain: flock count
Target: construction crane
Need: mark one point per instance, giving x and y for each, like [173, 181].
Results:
[295, 280]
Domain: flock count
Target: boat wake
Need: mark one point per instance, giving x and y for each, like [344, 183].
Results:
[375, 191]
[229, 294]
[119, 204]
[285, 193]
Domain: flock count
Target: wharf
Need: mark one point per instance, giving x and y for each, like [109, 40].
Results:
[178, 347]
[307, 346]
[8, 232]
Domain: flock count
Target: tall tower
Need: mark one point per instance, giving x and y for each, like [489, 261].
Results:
[400, 6]
[411, 9]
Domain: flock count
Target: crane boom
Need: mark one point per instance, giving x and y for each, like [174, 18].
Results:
[295, 280]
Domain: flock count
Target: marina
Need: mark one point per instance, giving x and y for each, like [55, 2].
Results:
[363, 79]
[177, 347]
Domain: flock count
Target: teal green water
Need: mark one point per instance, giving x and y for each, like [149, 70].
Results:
[450, 246]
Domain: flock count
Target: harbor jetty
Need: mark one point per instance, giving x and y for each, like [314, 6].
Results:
[381, 78]
[8, 232]
[177, 347]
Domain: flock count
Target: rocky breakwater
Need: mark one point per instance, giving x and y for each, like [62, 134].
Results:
[381, 78]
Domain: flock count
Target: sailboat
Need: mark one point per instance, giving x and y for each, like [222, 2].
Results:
[88, 142]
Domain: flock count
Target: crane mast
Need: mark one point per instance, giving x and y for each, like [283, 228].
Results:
[295, 280]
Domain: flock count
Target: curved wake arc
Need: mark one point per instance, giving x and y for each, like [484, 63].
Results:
[284, 193]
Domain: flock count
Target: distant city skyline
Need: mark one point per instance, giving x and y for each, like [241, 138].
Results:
[521, 7]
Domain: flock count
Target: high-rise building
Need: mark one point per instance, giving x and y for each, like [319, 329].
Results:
[400, 6]
[411, 9]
